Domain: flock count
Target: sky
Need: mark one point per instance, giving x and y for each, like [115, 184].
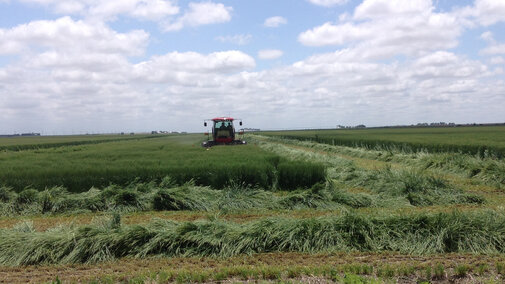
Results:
[91, 66]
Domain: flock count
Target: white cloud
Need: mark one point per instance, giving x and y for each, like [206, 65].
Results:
[377, 9]
[489, 12]
[493, 47]
[328, 3]
[270, 53]
[482, 13]
[71, 73]
[487, 36]
[241, 39]
[439, 58]
[78, 63]
[224, 61]
[102, 91]
[497, 60]
[69, 7]
[446, 65]
[144, 9]
[387, 28]
[98, 91]
[274, 22]
[67, 34]
[203, 13]
[330, 34]
[411, 86]
[192, 66]
[153, 10]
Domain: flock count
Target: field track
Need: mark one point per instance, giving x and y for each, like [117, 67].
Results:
[269, 267]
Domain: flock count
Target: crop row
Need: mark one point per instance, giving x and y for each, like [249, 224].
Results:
[79, 168]
[286, 176]
[62, 143]
[487, 137]
[391, 189]
[476, 232]
[419, 188]
[389, 186]
[167, 196]
[409, 147]
[488, 171]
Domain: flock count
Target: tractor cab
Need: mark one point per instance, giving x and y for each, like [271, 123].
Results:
[223, 132]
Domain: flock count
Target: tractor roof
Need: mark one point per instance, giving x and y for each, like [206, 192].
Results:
[223, 118]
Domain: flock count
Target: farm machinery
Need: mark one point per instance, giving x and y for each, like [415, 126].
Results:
[223, 132]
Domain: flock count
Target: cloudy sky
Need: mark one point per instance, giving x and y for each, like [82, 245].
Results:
[92, 66]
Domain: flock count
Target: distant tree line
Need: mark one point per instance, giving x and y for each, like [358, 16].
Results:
[22, 134]
[424, 124]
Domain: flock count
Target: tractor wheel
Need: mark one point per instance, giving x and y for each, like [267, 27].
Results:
[207, 144]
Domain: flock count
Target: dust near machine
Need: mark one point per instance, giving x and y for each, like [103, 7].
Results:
[223, 132]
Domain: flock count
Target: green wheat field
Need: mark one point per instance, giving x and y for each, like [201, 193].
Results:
[408, 205]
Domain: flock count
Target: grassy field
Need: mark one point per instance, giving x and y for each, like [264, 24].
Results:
[37, 140]
[276, 210]
[19, 143]
[78, 168]
[482, 140]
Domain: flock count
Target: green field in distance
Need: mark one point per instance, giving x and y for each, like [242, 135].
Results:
[473, 140]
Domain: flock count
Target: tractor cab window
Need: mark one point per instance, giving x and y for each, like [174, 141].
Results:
[223, 124]
[223, 129]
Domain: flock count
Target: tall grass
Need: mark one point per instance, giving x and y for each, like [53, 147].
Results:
[486, 170]
[419, 188]
[167, 196]
[122, 162]
[483, 141]
[478, 232]
[31, 143]
[391, 187]
[292, 175]
[408, 147]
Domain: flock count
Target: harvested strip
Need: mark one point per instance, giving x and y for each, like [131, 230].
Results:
[477, 232]
[42, 223]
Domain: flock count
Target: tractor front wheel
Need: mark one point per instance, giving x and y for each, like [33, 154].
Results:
[207, 144]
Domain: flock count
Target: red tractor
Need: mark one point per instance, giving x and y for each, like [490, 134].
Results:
[223, 132]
